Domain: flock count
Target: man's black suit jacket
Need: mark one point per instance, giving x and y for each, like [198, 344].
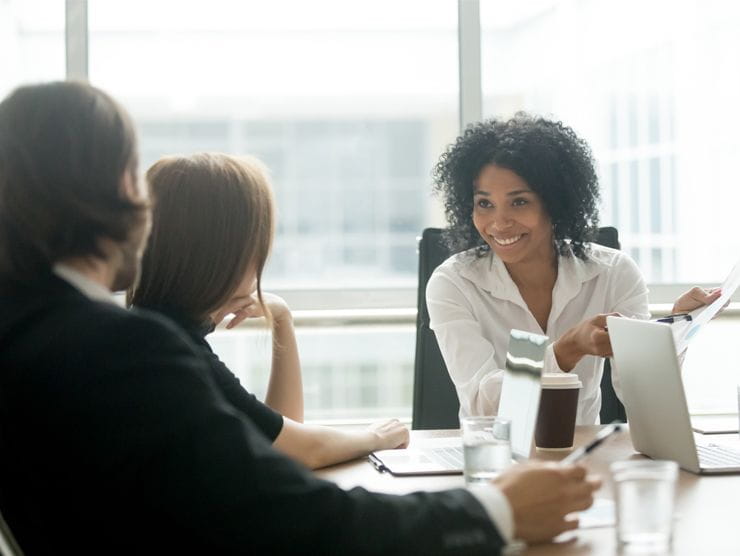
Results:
[114, 439]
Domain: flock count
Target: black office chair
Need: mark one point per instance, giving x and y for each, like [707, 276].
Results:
[435, 400]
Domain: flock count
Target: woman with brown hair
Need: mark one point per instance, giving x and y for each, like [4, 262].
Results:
[213, 225]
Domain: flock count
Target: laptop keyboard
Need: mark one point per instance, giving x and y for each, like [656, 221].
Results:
[715, 456]
[452, 458]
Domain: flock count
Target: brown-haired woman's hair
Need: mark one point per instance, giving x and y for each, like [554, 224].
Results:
[65, 148]
[212, 222]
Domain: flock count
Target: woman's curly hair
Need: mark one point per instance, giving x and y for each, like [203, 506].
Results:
[549, 156]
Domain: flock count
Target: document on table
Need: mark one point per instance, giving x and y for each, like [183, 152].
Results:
[685, 330]
[601, 514]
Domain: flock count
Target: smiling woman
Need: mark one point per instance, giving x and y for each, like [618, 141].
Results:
[510, 217]
[521, 201]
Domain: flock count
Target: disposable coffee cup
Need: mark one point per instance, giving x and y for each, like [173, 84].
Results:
[556, 420]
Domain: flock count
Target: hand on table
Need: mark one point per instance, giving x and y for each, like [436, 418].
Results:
[390, 434]
[542, 495]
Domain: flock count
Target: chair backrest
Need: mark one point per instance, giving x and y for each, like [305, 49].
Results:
[611, 408]
[435, 400]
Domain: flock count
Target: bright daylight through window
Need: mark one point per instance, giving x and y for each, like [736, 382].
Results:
[350, 103]
[349, 109]
[653, 87]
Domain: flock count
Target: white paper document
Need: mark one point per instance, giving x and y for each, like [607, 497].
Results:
[684, 331]
[601, 514]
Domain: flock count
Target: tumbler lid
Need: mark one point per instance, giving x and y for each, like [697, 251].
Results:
[561, 381]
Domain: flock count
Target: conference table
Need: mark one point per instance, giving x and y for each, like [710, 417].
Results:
[707, 519]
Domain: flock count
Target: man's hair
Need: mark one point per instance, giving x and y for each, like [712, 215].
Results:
[548, 155]
[212, 222]
[65, 148]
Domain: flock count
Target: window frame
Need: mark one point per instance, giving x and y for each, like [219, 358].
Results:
[470, 110]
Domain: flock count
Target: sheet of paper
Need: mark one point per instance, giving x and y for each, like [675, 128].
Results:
[601, 514]
[684, 331]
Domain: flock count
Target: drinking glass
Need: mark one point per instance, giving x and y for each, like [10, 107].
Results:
[486, 447]
[645, 492]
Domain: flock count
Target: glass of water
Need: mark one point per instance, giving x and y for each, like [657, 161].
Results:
[486, 447]
[645, 491]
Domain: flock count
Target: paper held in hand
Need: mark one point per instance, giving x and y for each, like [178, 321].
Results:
[684, 331]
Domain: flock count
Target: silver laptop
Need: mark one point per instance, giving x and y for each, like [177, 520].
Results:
[653, 396]
[520, 399]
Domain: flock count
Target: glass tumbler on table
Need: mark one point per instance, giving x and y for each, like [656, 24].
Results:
[645, 492]
[486, 447]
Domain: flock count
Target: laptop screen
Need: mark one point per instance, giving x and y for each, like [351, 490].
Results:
[520, 391]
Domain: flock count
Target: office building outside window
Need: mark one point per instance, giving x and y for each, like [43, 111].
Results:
[653, 87]
[31, 42]
[350, 105]
[349, 108]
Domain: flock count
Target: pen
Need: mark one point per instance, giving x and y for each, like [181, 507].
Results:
[670, 319]
[377, 464]
[583, 451]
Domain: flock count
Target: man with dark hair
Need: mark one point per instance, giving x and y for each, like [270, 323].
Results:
[114, 438]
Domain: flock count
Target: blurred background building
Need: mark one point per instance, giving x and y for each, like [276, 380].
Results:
[351, 103]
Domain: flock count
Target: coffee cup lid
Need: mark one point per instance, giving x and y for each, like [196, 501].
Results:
[561, 380]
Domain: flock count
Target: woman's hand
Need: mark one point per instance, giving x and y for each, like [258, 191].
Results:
[694, 298]
[249, 307]
[389, 435]
[590, 337]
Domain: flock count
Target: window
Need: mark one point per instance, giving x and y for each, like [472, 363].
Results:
[652, 87]
[348, 107]
[350, 103]
[348, 373]
[31, 42]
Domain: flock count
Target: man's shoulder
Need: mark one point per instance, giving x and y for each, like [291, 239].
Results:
[61, 322]
[109, 330]
[67, 352]
[91, 320]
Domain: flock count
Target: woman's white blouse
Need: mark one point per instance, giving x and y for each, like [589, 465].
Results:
[473, 305]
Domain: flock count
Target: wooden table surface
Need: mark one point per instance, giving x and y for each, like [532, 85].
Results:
[707, 507]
